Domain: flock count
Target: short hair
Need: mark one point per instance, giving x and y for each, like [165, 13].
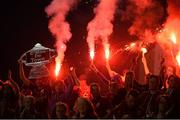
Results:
[133, 93]
[130, 73]
[157, 79]
[29, 97]
[94, 84]
[61, 104]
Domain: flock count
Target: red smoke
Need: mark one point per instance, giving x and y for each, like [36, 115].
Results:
[101, 26]
[59, 27]
[145, 15]
[169, 36]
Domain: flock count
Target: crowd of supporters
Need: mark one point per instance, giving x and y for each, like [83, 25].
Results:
[74, 98]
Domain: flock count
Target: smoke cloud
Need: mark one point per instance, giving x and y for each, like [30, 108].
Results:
[59, 27]
[169, 36]
[101, 26]
[146, 16]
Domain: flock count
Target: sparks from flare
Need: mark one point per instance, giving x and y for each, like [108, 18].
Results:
[58, 67]
[132, 45]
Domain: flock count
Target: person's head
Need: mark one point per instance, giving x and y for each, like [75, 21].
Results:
[131, 98]
[28, 101]
[163, 103]
[59, 87]
[172, 81]
[8, 91]
[170, 70]
[26, 91]
[95, 90]
[84, 106]
[153, 81]
[41, 82]
[114, 87]
[61, 110]
[129, 77]
[76, 91]
[83, 77]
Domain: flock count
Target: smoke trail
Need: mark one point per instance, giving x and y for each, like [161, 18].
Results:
[146, 16]
[59, 27]
[169, 36]
[101, 26]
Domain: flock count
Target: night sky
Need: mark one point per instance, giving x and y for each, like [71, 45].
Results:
[25, 23]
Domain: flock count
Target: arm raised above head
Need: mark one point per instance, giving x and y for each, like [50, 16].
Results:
[110, 71]
[25, 80]
[145, 65]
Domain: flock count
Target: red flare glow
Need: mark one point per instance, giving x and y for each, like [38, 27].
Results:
[144, 50]
[71, 68]
[178, 58]
[173, 38]
[58, 67]
[107, 53]
[132, 45]
[92, 54]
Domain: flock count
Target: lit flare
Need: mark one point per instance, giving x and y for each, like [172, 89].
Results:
[107, 53]
[92, 54]
[173, 38]
[58, 67]
[144, 50]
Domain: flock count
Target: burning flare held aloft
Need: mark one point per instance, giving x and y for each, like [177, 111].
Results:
[92, 54]
[57, 67]
[107, 53]
[144, 50]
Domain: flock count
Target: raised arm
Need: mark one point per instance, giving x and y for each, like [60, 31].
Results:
[111, 72]
[93, 67]
[74, 76]
[145, 65]
[17, 90]
[25, 80]
[134, 63]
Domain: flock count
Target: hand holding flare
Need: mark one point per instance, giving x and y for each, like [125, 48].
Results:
[144, 50]
[57, 67]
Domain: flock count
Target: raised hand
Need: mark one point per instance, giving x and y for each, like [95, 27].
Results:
[10, 75]
[143, 59]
